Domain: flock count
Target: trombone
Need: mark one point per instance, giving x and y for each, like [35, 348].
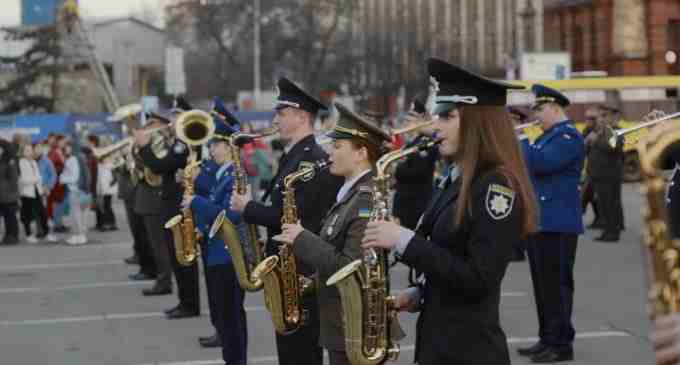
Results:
[524, 126]
[616, 134]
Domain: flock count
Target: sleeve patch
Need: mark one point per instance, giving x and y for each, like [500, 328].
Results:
[499, 200]
[310, 175]
[364, 213]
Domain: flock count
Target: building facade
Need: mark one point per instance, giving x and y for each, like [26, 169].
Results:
[620, 37]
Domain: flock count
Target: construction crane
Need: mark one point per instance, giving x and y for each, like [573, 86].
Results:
[70, 23]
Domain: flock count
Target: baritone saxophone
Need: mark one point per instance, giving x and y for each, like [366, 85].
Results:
[283, 286]
[367, 308]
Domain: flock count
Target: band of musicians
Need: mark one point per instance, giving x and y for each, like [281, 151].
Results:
[466, 194]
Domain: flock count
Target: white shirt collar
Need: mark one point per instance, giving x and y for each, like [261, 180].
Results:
[349, 184]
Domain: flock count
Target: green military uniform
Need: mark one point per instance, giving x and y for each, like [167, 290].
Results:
[339, 241]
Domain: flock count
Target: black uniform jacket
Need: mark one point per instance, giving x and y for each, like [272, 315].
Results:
[413, 187]
[313, 197]
[338, 244]
[463, 268]
[605, 162]
[167, 166]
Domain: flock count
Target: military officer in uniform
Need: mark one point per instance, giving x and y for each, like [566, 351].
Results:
[295, 114]
[463, 244]
[555, 162]
[225, 295]
[356, 146]
[171, 197]
[148, 205]
[414, 176]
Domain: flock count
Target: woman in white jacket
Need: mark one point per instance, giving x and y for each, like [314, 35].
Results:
[107, 187]
[30, 191]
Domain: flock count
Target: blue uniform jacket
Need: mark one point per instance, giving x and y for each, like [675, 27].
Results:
[555, 161]
[207, 207]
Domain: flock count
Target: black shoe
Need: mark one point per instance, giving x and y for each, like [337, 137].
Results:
[208, 342]
[166, 311]
[536, 348]
[181, 312]
[61, 229]
[608, 238]
[141, 276]
[10, 240]
[596, 225]
[550, 355]
[157, 290]
[132, 260]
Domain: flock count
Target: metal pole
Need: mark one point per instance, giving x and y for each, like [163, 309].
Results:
[256, 40]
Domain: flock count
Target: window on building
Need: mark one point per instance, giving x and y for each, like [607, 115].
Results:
[673, 45]
[577, 48]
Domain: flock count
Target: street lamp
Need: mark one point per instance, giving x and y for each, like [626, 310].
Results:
[256, 41]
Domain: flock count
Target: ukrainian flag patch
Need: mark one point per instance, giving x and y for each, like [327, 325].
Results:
[364, 213]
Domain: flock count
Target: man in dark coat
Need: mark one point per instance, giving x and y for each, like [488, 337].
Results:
[295, 114]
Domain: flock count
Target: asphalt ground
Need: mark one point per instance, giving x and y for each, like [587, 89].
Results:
[75, 305]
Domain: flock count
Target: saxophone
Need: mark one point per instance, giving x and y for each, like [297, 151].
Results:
[241, 240]
[184, 234]
[663, 252]
[283, 287]
[364, 284]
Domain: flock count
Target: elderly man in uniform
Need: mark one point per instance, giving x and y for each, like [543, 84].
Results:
[555, 161]
[295, 115]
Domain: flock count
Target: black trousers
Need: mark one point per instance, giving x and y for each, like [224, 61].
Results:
[551, 259]
[160, 242]
[302, 346]
[186, 276]
[32, 209]
[608, 193]
[8, 211]
[588, 197]
[227, 313]
[141, 245]
[108, 217]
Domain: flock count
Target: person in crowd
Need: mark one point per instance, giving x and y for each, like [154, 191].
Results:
[605, 169]
[414, 177]
[57, 201]
[30, 190]
[555, 162]
[464, 243]
[214, 185]
[295, 115]
[93, 166]
[9, 191]
[49, 179]
[587, 192]
[107, 188]
[357, 145]
[74, 178]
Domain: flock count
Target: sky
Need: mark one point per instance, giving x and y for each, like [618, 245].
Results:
[11, 9]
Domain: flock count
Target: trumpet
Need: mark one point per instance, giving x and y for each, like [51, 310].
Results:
[194, 127]
[103, 152]
[658, 117]
[524, 126]
[398, 131]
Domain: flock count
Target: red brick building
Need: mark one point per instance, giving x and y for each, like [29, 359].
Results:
[621, 37]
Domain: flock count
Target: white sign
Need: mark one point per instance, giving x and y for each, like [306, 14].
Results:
[545, 66]
[175, 81]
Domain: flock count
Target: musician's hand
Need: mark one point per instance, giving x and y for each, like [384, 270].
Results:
[289, 233]
[381, 234]
[666, 339]
[408, 300]
[239, 201]
[141, 139]
[186, 201]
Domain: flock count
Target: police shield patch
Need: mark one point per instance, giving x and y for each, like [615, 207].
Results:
[499, 201]
[304, 165]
